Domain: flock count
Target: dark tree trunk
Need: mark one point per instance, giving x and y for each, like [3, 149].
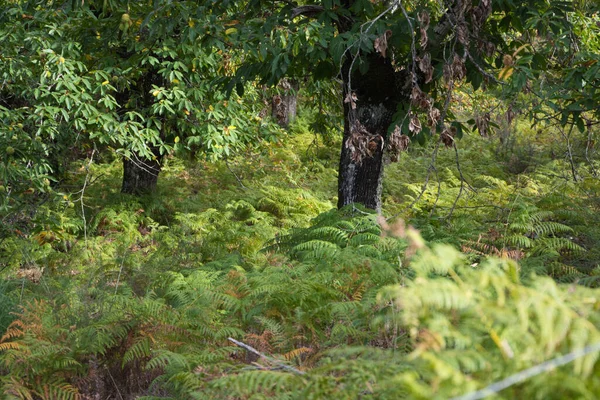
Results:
[284, 105]
[360, 182]
[367, 116]
[140, 175]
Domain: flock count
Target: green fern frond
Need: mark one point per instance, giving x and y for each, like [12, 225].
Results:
[364, 238]
[546, 228]
[329, 233]
[557, 244]
[316, 249]
[520, 241]
[140, 350]
[162, 359]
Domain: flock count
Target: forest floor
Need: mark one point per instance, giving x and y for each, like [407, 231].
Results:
[252, 248]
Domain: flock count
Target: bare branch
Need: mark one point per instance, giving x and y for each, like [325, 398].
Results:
[264, 357]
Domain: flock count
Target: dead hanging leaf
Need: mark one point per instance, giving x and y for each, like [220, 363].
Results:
[447, 73]
[414, 125]
[510, 114]
[462, 34]
[381, 44]
[362, 143]
[419, 99]
[481, 13]
[459, 70]
[433, 116]
[490, 49]
[426, 67]
[351, 98]
[448, 135]
[424, 20]
[397, 143]
[483, 124]
[423, 40]
[415, 95]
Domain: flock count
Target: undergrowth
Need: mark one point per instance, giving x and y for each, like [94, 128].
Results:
[109, 296]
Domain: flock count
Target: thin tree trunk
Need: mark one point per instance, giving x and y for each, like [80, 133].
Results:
[140, 175]
[284, 105]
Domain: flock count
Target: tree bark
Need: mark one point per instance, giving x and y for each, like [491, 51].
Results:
[284, 105]
[140, 175]
[377, 94]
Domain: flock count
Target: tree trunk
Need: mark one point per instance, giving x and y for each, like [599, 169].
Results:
[140, 175]
[368, 113]
[360, 182]
[283, 105]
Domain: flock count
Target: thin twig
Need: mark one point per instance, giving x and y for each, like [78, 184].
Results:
[237, 178]
[529, 373]
[82, 191]
[570, 150]
[462, 184]
[463, 181]
[119, 276]
[587, 148]
[439, 191]
[114, 383]
[482, 71]
[261, 355]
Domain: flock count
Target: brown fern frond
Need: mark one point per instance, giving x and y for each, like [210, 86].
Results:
[358, 293]
[290, 355]
[10, 345]
[15, 330]
[467, 249]
[512, 254]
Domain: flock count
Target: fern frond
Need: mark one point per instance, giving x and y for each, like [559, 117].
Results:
[316, 249]
[165, 358]
[520, 241]
[546, 228]
[290, 355]
[138, 351]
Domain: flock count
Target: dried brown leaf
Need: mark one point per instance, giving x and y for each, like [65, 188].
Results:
[397, 143]
[351, 98]
[459, 70]
[381, 44]
[447, 136]
[419, 99]
[483, 124]
[423, 40]
[426, 67]
[414, 125]
[433, 116]
[424, 19]
[462, 34]
[362, 143]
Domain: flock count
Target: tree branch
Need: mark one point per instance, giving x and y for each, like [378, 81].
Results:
[261, 355]
[307, 11]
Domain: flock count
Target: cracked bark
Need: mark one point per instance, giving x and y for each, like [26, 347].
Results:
[378, 93]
